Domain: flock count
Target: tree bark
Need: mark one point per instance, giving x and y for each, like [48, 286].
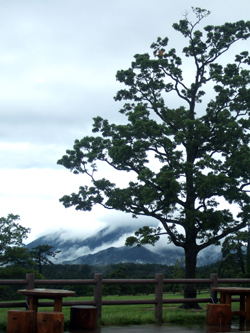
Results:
[190, 290]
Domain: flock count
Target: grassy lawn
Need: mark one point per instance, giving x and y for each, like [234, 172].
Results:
[144, 314]
[135, 314]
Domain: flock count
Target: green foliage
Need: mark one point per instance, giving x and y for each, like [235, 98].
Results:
[12, 235]
[118, 289]
[185, 159]
[234, 255]
[144, 235]
[14, 272]
[56, 271]
[178, 273]
[6, 293]
[18, 256]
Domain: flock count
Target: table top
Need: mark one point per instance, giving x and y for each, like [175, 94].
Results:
[232, 290]
[46, 292]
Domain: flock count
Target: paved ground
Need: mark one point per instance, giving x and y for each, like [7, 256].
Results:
[166, 328]
[169, 328]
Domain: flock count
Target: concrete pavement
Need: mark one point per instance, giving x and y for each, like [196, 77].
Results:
[167, 328]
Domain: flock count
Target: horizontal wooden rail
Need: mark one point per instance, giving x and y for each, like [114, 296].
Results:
[66, 303]
[230, 281]
[64, 282]
[13, 282]
[129, 281]
[187, 300]
[120, 281]
[113, 302]
[13, 304]
[189, 281]
[129, 301]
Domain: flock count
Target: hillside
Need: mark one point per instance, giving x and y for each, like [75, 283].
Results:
[107, 246]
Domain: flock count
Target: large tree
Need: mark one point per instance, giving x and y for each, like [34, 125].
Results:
[189, 160]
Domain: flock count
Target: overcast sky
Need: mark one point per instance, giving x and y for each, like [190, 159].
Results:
[58, 60]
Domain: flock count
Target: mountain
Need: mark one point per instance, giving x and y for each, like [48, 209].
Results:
[135, 254]
[71, 246]
[104, 236]
[107, 246]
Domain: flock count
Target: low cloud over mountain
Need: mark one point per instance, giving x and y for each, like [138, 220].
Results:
[107, 246]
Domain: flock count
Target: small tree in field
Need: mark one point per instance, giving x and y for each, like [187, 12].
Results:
[234, 255]
[41, 253]
[186, 160]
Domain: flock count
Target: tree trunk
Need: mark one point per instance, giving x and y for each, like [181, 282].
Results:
[190, 290]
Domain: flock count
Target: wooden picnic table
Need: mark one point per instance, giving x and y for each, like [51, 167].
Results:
[226, 294]
[55, 294]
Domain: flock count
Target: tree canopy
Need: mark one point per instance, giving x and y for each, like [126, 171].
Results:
[235, 255]
[18, 256]
[191, 162]
[12, 235]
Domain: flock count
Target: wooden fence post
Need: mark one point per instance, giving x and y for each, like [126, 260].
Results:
[98, 294]
[158, 297]
[31, 283]
[213, 294]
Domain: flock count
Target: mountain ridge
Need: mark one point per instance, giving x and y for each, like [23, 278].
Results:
[107, 246]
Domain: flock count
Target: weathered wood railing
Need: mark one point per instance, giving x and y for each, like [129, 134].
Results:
[98, 282]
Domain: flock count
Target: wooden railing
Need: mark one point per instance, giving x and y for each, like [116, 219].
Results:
[98, 282]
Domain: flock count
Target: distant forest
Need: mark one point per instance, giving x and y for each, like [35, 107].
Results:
[130, 271]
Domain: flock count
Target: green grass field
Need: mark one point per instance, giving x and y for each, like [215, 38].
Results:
[116, 315]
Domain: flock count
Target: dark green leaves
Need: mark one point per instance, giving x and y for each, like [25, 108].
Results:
[12, 235]
[145, 235]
